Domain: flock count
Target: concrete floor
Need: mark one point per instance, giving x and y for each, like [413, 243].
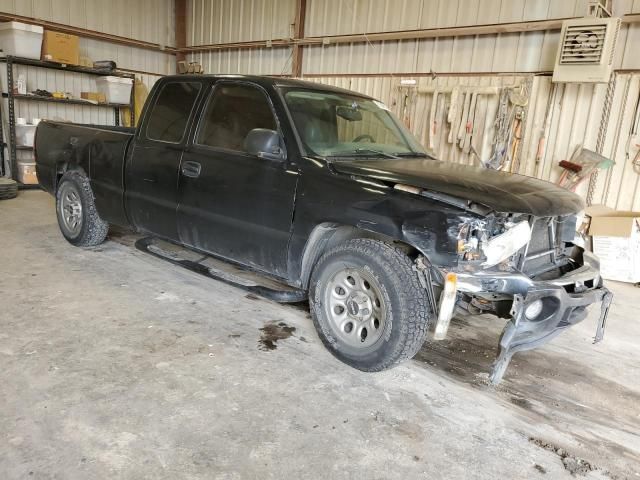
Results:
[118, 365]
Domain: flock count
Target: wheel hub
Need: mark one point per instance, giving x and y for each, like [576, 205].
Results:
[70, 208]
[354, 307]
[359, 305]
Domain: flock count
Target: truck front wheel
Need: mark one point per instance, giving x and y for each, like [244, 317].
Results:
[368, 305]
[77, 216]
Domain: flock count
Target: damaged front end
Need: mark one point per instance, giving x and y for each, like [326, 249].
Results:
[524, 268]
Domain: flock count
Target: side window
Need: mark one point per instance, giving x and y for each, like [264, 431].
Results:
[232, 112]
[169, 115]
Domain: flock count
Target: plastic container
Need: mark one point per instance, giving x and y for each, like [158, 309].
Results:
[25, 135]
[26, 173]
[21, 40]
[115, 89]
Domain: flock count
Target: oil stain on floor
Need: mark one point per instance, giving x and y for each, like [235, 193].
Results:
[272, 333]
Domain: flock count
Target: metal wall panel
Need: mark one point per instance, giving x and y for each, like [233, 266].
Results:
[339, 17]
[512, 52]
[266, 61]
[224, 21]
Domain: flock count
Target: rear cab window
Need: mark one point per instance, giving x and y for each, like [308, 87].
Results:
[169, 116]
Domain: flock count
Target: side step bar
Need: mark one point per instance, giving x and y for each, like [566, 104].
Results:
[275, 291]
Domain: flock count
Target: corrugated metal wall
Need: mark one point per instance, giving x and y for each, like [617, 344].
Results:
[148, 20]
[558, 118]
[225, 21]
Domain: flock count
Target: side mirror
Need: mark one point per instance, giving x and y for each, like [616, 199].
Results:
[264, 143]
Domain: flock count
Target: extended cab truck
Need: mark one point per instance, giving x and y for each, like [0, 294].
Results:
[325, 191]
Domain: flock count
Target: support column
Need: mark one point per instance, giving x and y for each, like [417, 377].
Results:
[298, 33]
[181, 29]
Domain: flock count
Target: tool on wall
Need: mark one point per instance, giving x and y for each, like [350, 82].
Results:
[189, 67]
[468, 111]
[581, 166]
[508, 127]
[633, 142]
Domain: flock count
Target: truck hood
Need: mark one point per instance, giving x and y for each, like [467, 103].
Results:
[500, 191]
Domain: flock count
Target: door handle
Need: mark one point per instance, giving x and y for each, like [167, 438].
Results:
[191, 169]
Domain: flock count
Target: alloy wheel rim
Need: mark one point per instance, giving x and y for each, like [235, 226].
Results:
[71, 209]
[355, 307]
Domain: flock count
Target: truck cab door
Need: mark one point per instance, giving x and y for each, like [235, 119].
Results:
[233, 203]
[152, 170]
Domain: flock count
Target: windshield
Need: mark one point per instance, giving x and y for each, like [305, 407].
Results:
[341, 125]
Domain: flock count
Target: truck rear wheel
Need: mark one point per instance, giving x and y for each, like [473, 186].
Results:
[368, 305]
[77, 216]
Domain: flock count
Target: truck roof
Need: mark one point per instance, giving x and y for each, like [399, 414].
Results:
[265, 80]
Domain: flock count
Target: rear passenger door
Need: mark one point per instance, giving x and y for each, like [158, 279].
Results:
[153, 166]
[232, 203]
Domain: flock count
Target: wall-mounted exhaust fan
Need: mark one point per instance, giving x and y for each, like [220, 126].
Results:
[586, 50]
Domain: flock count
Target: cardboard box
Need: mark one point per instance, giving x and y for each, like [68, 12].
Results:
[94, 96]
[61, 48]
[616, 241]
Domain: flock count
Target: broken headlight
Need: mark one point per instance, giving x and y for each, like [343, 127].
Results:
[503, 246]
[492, 242]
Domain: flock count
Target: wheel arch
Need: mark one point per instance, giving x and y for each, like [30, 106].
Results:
[64, 167]
[327, 235]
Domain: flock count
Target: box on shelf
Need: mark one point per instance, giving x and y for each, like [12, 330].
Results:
[115, 89]
[25, 135]
[61, 48]
[616, 242]
[94, 96]
[27, 173]
[21, 40]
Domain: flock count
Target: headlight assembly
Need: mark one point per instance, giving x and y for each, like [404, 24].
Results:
[491, 243]
[501, 247]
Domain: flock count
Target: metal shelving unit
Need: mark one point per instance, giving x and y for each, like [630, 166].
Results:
[13, 97]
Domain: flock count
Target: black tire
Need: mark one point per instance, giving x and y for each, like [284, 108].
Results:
[404, 300]
[90, 230]
[8, 188]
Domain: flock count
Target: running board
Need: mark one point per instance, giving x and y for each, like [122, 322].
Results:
[216, 269]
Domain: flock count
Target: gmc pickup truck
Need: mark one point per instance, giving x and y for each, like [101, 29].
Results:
[324, 191]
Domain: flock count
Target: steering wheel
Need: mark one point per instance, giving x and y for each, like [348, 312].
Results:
[362, 137]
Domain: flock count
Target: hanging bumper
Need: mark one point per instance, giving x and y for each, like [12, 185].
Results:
[540, 309]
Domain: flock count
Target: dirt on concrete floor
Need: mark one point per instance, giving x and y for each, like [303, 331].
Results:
[116, 364]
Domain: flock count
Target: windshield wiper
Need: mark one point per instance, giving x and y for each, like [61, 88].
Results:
[350, 153]
[412, 154]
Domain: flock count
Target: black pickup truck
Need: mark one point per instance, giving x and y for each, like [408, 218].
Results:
[324, 191]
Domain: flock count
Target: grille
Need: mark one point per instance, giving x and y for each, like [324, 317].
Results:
[539, 242]
[583, 45]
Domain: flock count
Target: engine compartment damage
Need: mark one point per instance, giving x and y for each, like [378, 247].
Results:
[537, 310]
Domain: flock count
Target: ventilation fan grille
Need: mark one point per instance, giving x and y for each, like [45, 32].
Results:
[583, 45]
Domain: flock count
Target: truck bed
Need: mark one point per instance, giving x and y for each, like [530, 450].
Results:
[100, 151]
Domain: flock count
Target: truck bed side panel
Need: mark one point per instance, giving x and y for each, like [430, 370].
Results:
[99, 151]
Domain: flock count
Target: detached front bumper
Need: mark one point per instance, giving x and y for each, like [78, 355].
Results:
[555, 305]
